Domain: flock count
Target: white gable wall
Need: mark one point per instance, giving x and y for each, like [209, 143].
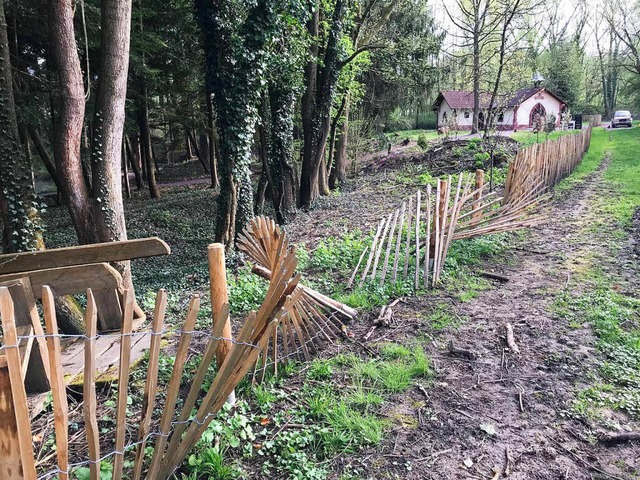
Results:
[453, 115]
[550, 104]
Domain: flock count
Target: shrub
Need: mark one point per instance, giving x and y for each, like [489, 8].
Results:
[423, 141]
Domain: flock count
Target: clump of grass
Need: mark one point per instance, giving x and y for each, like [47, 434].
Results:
[396, 371]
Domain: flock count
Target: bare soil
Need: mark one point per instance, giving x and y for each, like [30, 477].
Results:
[526, 398]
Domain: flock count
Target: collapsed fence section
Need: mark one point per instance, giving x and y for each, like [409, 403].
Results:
[154, 442]
[538, 168]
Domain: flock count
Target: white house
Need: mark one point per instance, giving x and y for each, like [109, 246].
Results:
[514, 112]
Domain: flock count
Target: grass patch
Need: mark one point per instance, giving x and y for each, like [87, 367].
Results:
[614, 319]
[527, 137]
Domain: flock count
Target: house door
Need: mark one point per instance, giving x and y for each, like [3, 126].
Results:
[481, 121]
[536, 111]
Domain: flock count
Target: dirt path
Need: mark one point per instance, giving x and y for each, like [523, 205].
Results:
[525, 398]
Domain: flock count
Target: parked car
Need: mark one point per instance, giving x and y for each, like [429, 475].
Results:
[622, 118]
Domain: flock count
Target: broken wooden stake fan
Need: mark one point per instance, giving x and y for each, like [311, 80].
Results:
[311, 319]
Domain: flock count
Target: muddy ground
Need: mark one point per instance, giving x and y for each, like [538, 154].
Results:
[525, 398]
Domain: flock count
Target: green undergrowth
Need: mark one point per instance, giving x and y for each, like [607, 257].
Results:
[613, 316]
[614, 319]
[527, 137]
[279, 432]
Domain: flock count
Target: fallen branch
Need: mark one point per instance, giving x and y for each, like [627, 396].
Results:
[460, 351]
[494, 276]
[511, 343]
[616, 438]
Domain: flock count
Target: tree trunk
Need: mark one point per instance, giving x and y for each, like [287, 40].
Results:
[194, 144]
[476, 72]
[339, 169]
[111, 94]
[20, 217]
[211, 133]
[125, 169]
[43, 154]
[18, 206]
[316, 103]
[145, 146]
[69, 121]
[134, 161]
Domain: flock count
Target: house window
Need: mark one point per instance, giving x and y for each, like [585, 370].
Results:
[466, 114]
[501, 118]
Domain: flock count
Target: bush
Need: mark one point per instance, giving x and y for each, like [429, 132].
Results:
[427, 121]
[423, 141]
[481, 158]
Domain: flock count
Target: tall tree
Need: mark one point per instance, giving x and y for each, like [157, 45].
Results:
[321, 75]
[236, 35]
[106, 155]
[97, 210]
[477, 25]
[69, 122]
[18, 203]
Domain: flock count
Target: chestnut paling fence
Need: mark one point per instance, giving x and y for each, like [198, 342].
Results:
[292, 322]
[414, 240]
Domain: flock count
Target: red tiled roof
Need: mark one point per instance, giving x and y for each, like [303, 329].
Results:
[461, 99]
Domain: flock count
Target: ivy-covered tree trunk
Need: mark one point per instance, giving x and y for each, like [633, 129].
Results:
[18, 202]
[280, 171]
[106, 155]
[316, 102]
[339, 168]
[18, 205]
[234, 57]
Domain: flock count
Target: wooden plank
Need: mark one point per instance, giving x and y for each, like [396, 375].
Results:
[10, 463]
[59, 392]
[389, 245]
[83, 254]
[417, 273]
[398, 244]
[123, 384]
[18, 392]
[406, 250]
[71, 280]
[89, 391]
[219, 297]
[372, 253]
[427, 243]
[109, 309]
[25, 310]
[355, 270]
[380, 247]
[151, 384]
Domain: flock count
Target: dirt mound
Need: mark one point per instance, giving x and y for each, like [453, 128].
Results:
[452, 156]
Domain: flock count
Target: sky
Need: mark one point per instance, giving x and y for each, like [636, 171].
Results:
[565, 10]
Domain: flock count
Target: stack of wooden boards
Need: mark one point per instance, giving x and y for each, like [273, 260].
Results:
[416, 237]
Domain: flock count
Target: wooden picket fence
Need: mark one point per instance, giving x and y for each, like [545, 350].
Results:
[291, 319]
[538, 168]
[419, 234]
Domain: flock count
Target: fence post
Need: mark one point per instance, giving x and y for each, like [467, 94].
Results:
[220, 297]
[479, 184]
[10, 464]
